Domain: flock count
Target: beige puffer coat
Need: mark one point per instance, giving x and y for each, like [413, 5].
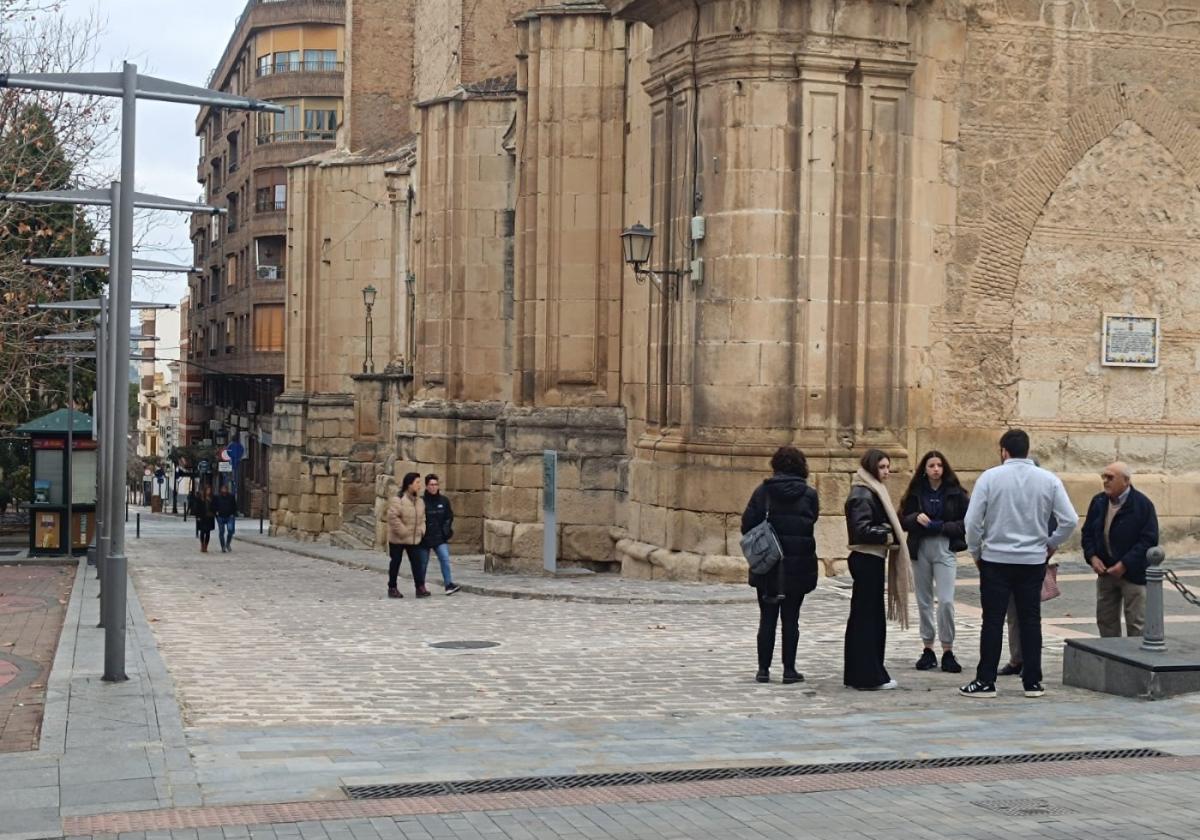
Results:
[406, 520]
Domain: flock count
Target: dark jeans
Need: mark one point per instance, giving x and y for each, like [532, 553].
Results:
[768, 618]
[866, 629]
[397, 551]
[1023, 583]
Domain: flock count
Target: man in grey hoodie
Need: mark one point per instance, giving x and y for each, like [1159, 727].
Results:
[1006, 534]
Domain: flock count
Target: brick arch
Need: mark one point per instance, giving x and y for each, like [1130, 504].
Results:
[994, 282]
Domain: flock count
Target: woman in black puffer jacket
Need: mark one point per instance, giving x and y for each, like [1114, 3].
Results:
[793, 509]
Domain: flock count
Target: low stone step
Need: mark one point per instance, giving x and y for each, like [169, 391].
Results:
[340, 539]
[364, 535]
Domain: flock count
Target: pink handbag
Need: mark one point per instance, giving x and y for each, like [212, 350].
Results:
[1050, 583]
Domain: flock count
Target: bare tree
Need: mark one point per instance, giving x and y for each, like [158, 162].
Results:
[47, 141]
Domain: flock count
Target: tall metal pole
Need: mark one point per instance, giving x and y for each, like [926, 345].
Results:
[104, 450]
[68, 487]
[114, 628]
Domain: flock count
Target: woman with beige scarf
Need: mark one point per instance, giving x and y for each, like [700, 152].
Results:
[877, 553]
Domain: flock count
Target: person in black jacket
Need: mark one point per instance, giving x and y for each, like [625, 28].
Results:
[439, 528]
[205, 519]
[224, 506]
[792, 507]
[1121, 526]
[931, 512]
[877, 554]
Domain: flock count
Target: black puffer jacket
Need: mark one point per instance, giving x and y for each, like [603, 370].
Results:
[954, 511]
[794, 509]
[439, 520]
[866, 520]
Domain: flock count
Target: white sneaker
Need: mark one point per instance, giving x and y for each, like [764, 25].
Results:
[889, 685]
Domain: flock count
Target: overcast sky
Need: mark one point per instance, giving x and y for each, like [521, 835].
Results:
[179, 40]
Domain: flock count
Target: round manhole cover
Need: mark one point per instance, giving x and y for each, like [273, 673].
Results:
[464, 645]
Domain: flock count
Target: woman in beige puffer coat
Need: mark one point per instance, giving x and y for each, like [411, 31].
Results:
[406, 529]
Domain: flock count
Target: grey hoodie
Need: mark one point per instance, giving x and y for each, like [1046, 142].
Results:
[1010, 506]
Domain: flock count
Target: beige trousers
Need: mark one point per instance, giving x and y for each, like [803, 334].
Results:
[1113, 594]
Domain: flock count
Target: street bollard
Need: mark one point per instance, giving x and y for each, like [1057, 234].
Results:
[1154, 632]
[138, 529]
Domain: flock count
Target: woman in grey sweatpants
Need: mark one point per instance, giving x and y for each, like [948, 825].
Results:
[931, 512]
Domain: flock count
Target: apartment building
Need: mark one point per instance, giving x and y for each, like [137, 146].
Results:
[290, 52]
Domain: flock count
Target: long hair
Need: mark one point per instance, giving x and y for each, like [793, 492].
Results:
[409, 478]
[949, 479]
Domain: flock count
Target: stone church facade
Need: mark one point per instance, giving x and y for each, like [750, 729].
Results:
[915, 217]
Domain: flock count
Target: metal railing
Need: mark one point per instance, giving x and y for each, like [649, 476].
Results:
[270, 206]
[318, 66]
[298, 136]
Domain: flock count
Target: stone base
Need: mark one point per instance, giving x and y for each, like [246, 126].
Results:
[1119, 666]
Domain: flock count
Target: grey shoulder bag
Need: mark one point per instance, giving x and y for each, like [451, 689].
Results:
[761, 545]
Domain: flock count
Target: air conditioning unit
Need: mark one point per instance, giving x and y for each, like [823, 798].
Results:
[268, 272]
[251, 407]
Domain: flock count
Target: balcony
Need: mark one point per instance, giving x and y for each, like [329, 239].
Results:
[271, 272]
[270, 205]
[300, 67]
[297, 137]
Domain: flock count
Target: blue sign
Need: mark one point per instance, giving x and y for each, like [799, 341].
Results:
[235, 451]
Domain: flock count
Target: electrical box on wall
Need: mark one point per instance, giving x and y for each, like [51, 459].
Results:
[697, 228]
[697, 271]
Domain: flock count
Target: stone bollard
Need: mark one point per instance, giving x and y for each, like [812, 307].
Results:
[1154, 633]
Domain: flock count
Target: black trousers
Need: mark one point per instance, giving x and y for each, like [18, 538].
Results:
[997, 582]
[866, 629]
[396, 551]
[768, 618]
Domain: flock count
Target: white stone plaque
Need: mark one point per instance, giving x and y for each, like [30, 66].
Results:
[1130, 341]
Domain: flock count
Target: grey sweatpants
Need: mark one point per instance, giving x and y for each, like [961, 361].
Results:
[934, 572]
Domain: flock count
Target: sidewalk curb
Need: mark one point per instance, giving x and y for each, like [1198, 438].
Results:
[490, 590]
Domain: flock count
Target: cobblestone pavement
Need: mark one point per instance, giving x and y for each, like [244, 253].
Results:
[275, 639]
[32, 605]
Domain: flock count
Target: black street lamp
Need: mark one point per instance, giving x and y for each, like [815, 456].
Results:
[636, 243]
[369, 300]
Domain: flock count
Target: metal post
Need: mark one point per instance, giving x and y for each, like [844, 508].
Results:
[114, 629]
[139, 525]
[1154, 633]
[68, 489]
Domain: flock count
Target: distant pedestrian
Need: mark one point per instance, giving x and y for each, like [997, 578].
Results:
[792, 507]
[439, 530]
[406, 529]
[878, 553]
[1121, 526]
[225, 508]
[932, 510]
[205, 517]
[1006, 535]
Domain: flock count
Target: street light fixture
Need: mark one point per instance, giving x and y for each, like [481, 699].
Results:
[369, 300]
[636, 243]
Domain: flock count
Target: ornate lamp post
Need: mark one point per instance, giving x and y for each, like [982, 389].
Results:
[369, 300]
[636, 243]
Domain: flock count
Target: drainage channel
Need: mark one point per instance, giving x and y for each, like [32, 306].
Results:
[652, 777]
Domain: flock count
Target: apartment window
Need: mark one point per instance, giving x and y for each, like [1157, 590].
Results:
[264, 65]
[231, 274]
[316, 60]
[214, 234]
[280, 128]
[287, 62]
[320, 124]
[233, 151]
[229, 333]
[268, 327]
[203, 146]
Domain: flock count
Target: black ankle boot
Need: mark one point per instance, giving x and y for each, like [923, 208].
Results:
[791, 675]
[763, 675]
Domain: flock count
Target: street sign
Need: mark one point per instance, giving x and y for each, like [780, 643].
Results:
[224, 467]
[235, 451]
[204, 468]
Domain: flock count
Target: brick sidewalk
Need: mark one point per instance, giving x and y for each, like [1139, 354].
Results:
[32, 606]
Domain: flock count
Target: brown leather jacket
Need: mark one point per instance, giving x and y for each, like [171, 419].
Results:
[406, 520]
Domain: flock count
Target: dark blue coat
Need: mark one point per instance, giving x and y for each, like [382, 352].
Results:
[794, 511]
[1134, 530]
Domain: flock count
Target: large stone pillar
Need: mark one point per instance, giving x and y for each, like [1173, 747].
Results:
[784, 125]
[569, 144]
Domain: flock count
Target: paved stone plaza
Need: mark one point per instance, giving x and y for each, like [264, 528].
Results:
[265, 680]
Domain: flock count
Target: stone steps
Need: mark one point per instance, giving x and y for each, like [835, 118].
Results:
[355, 530]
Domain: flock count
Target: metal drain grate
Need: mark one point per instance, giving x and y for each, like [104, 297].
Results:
[400, 791]
[466, 644]
[1025, 807]
[9, 552]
